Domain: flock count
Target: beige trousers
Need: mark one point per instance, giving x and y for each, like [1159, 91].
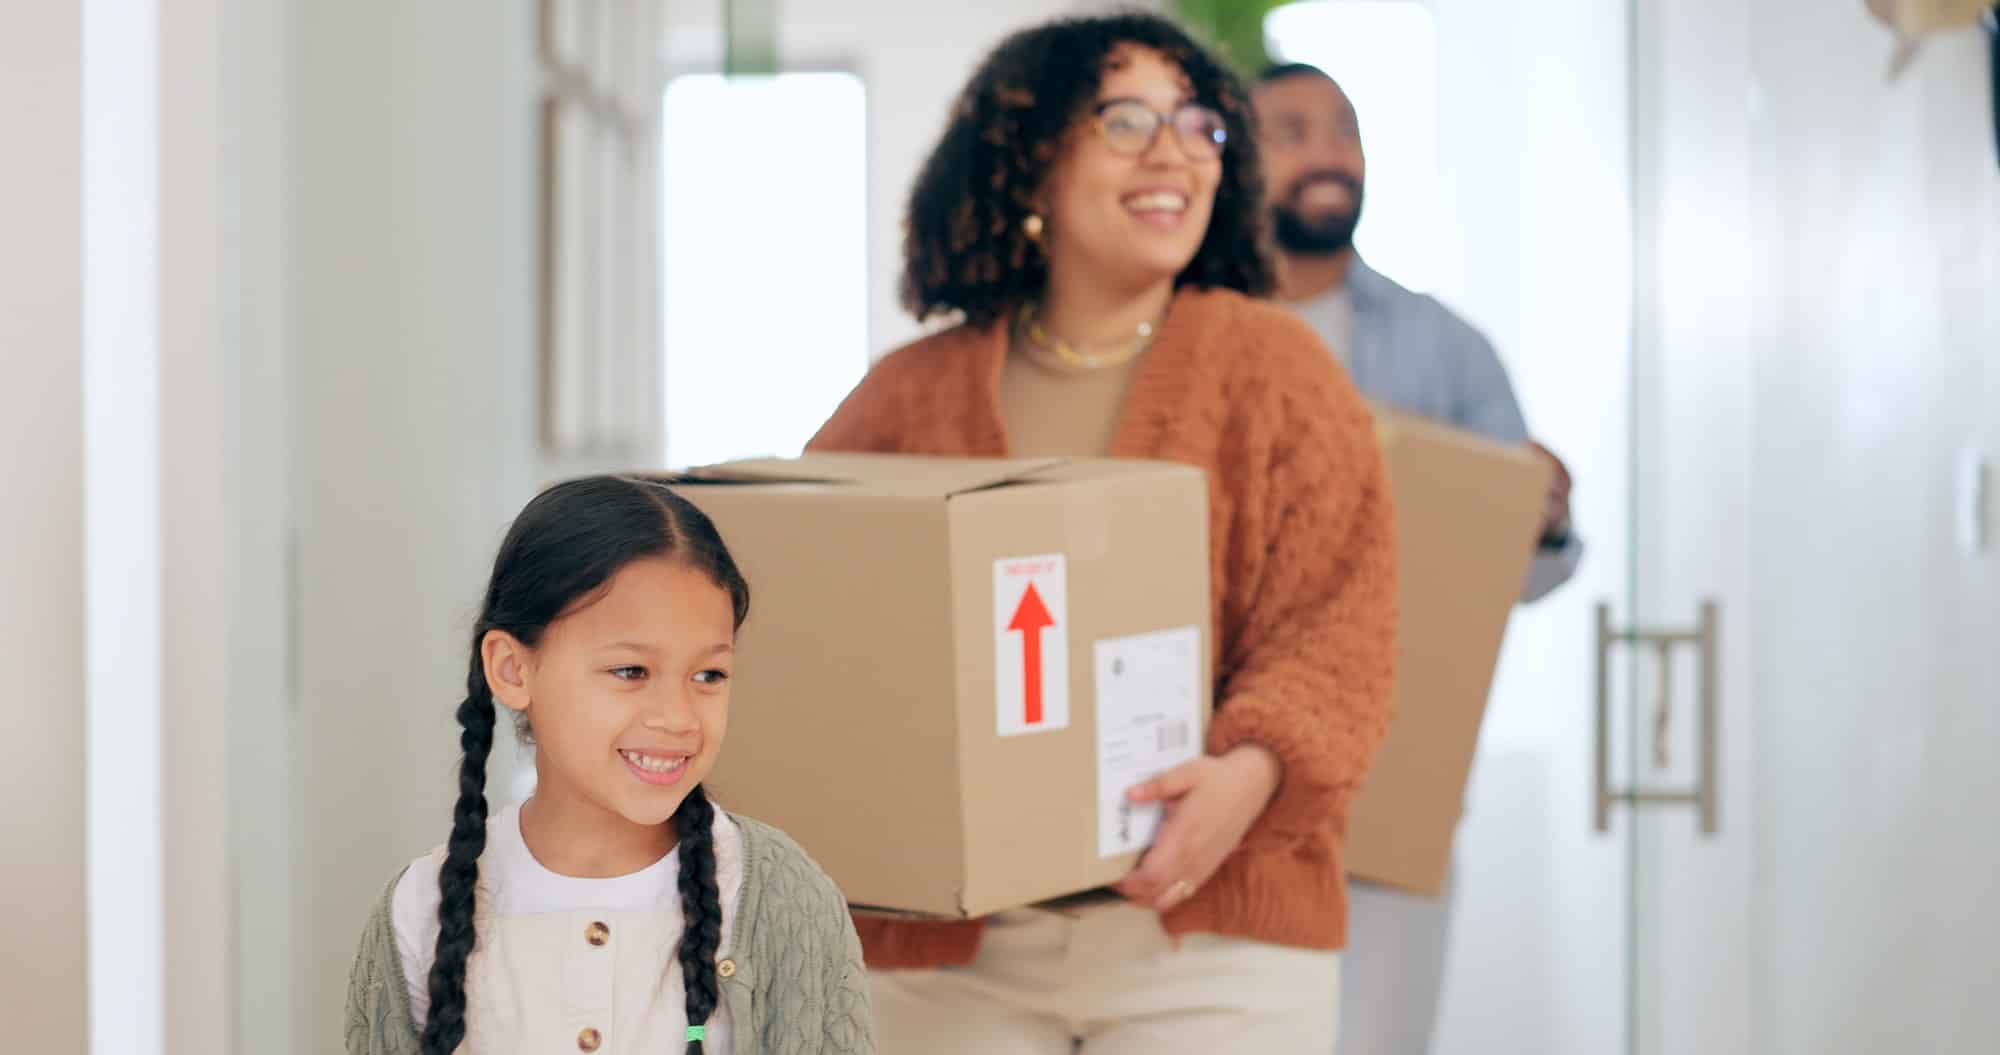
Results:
[1109, 981]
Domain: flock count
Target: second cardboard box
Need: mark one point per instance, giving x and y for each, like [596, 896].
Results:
[1467, 514]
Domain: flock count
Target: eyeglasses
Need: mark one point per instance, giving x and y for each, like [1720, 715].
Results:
[1130, 127]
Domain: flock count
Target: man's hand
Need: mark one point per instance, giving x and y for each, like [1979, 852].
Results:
[1555, 509]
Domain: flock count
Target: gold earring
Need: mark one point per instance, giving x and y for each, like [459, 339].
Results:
[1032, 227]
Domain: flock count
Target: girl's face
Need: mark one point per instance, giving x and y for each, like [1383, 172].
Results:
[1126, 202]
[628, 693]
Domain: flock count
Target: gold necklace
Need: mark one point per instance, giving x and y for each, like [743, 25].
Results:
[1070, 355]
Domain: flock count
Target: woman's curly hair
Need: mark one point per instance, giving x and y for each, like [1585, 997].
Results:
[964, 246]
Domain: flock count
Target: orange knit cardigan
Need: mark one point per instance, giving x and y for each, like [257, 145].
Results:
[1303, 567]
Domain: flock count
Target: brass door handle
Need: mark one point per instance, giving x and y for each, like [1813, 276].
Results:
[1704, 638]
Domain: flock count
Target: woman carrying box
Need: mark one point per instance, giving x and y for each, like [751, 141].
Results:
[1093, 220]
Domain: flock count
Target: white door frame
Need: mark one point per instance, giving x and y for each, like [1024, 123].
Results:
[1693, 396]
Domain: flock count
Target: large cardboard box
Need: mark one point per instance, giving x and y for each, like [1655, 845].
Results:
[1468, 513]
[953, 669]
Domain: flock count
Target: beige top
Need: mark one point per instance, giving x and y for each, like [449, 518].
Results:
[560, 956]
[790, 972]
[1055, 410]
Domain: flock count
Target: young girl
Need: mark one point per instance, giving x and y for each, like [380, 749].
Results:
[616, 910]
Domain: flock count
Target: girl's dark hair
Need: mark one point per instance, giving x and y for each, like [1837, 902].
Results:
[964, 246]
[565, 546]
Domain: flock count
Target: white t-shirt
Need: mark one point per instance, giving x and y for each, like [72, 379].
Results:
[521, 889]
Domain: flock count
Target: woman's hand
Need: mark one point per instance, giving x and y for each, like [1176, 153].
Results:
[1211, 802]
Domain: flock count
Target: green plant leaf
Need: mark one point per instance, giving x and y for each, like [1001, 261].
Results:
[1234, 27]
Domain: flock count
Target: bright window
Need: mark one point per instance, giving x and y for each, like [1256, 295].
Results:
[1384, 53]
[765, 259]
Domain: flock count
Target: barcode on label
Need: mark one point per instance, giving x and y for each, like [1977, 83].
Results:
[1172, 736]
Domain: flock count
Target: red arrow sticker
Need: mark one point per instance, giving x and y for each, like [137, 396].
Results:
[1030, 619]
[1030, 644]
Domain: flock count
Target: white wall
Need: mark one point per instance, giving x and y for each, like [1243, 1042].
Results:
[199, 441]
[1694, 385]
[1533, 121]
[258, 326]
[42, 977]
[1878, 681]
[122, 524]
[412, 222]
[1819, 344]
[116, 413]
[1822, 347]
